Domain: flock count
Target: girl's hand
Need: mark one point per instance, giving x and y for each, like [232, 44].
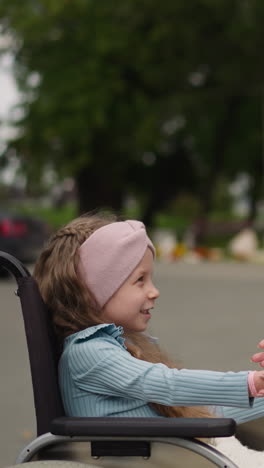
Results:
[259, 357]
[259, 375]
[259, 383]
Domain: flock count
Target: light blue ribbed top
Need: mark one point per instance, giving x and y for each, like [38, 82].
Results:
[99, 377]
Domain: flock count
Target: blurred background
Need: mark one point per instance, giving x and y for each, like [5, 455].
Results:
[153, 110]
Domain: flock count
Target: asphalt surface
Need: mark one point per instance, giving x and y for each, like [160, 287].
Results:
[208, 316]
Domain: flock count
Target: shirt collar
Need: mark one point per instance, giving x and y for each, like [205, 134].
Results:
[109, 328]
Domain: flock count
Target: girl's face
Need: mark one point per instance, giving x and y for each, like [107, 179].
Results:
[130, 306]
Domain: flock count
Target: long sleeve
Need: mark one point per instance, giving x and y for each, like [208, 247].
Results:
[104, 368]
[241, 415]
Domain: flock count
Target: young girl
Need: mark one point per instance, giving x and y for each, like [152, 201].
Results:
[95, 274]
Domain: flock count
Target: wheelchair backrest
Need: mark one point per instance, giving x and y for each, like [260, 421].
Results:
[43, 354]
[41, 343]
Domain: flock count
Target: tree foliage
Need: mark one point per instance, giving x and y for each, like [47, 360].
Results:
[146, 96]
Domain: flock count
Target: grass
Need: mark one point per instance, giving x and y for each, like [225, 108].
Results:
[177, 223]
[55, 217]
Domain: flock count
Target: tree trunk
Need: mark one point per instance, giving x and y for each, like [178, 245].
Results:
[221, 142]
[96, 190]
[255, 190]
[170, 176]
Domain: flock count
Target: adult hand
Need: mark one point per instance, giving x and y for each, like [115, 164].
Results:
[259, 357]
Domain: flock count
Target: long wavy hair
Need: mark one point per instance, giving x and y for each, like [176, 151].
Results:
[74, 308]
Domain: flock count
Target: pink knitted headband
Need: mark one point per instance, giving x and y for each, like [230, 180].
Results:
[109, 256]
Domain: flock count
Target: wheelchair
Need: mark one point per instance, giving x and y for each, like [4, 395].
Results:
[125, 439]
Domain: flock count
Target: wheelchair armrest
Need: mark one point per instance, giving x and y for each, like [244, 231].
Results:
[143, 427]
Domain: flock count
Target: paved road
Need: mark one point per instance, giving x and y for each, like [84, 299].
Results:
[208, 316]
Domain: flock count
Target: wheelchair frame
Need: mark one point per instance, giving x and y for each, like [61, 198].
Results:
[108, 436]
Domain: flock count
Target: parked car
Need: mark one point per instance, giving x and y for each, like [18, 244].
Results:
[22, 236]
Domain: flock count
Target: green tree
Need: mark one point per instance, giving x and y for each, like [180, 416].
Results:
[114, 80]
